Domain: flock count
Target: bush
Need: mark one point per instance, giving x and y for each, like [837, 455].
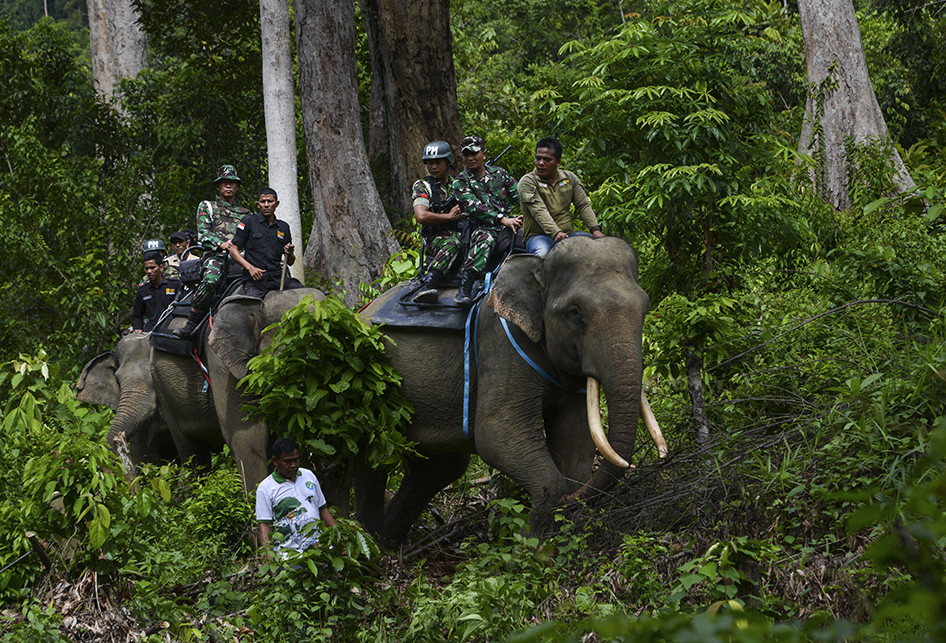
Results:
[324, 381]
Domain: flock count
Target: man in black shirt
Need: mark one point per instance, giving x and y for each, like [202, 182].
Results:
[264, 240]
[154, 296]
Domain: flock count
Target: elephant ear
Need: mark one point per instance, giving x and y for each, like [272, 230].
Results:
[98, 384]
[518, 295]
[236, 332]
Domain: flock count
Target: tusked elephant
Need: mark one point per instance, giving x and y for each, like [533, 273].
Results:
[578, 314]
[121, 380]
[204, 410]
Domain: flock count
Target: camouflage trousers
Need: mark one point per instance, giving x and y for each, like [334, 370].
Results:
[443, 248]
[482, 242]
[211, 270]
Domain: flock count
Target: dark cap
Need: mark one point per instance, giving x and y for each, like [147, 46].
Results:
[183, 235]
[472, 144]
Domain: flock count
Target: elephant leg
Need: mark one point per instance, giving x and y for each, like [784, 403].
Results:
[248, 439]
[569, 441]
[510, 435]
[370, 486]
[425, 479]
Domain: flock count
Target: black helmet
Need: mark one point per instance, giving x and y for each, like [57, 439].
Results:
[438, 150]
[154, 244]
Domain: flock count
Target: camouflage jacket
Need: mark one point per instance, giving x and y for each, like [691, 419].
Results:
[217, 223]
[423, 194]
[488, 199]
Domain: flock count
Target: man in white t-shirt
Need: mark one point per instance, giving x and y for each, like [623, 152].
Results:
[288, 500]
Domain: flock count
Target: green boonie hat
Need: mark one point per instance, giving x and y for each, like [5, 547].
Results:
[472, 144]
[227, 172]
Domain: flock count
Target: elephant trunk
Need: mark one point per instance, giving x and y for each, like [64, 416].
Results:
[624, 411]
[134, 410]
[597, 429]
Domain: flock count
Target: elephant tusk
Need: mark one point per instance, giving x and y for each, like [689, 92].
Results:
[652, 427]
[597, 431]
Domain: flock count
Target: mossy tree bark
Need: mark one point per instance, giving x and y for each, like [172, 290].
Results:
[414, 82]
[842, 110]
[118, 42]
[350, 240]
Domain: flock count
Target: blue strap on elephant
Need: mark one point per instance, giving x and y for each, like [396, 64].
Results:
[473, 319]
[528, 360]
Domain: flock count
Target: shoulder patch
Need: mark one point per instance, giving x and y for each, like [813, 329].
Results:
[280, 234]
[241, 225]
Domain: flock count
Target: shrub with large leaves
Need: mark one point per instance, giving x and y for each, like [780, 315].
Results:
[325, 382]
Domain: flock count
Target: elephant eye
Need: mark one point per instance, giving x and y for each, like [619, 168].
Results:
[575, 318]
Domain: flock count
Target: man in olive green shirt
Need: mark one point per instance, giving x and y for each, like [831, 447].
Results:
[546, 195]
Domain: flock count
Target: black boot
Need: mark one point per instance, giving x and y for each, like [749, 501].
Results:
[465, 293]
[193, 320]
[427, 294]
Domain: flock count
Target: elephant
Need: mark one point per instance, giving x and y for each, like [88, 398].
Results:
[578, 314]
[204, 408]
[121, 380]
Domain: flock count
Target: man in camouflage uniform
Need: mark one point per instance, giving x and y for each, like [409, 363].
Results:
[216, 225]
[487, 195]
[439, 213]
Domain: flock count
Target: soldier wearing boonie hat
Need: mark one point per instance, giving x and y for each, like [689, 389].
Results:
[473, 144]
[487, 195]
[216, 225]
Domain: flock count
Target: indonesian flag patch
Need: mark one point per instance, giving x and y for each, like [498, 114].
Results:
[241, 225]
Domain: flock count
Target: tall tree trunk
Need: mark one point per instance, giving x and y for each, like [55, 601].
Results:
[279, 106]
[411, 41]
[349, 238]
[118, 42]
[841, 104]
[694, 367]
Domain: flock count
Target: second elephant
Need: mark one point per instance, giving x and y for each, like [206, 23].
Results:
[204, 409]
[121, 380]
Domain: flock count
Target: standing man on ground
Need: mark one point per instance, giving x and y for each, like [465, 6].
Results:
[438, 212]
[547, 194]
[487, 195]
[154, 296]
[288, 500]
[216, 225]
[266, 242]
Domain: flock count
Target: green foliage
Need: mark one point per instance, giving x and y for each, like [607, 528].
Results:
[318, 594]
[723, 573]
[400, 267]
[687, 150]
[324, 381]
[61, 147]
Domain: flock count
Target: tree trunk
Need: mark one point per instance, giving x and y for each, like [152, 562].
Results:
[349, 238]
[841, 105]
[118, 42]
[279, 106]
[695, 385]
[411, 40]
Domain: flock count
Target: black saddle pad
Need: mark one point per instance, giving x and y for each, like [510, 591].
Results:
[400, 311]
[161, 336]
